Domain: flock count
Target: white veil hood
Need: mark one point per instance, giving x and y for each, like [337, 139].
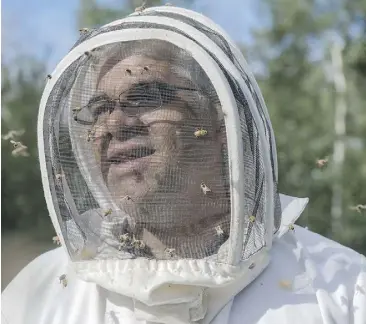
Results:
[180, 290]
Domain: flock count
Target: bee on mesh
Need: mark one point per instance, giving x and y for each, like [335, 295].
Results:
[252, 219]
[200, 132]
[205, 189]
[83, 31]
[59, 177]
[137, 244]
[170, 253]
[108, 212]
[129, 243]
[124, 240]
[219, 231]
[75, 112]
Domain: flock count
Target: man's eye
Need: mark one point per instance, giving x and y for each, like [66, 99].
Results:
[99, 108]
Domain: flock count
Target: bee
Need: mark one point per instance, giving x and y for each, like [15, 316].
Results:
[141, 8]
[200, 132]
[19, 149]
[48, 77]
[170, 252]
[91, 134]
[205, 189]
[76, 109]
[321, 163]
[12, 134]
[75, 112]
[219, 230]
[108, 212]
[59, 177]
[358, 208]
[252, 265]
[291, 227]
[63, 280]
[124, 239]
[56, 240]
[129, 72]
[138, 244]
[252, 219]
[83, 30]
[15, 144]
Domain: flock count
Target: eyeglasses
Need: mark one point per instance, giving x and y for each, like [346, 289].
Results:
[137, 100]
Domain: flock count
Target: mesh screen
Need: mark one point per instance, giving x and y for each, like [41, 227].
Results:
[137, 155]
[222, 43]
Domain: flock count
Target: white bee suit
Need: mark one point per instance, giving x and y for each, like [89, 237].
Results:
[170, 252]
[309, 280]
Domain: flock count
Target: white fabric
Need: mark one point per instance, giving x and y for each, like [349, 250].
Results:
[329, 283]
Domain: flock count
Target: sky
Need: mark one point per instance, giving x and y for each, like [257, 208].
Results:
[48, 29]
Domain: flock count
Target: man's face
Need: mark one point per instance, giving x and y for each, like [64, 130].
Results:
[146, 144]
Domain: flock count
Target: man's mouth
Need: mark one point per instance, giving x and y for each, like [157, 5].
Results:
[130, 154]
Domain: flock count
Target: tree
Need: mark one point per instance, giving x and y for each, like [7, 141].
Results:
[92, 14]
[298, 86]
[24, 206]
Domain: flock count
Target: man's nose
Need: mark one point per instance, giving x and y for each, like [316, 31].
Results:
[123, 126]
[118, 119]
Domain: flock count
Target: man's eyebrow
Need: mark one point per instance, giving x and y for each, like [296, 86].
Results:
[137, 86]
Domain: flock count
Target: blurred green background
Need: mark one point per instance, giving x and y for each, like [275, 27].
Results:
[309, 57]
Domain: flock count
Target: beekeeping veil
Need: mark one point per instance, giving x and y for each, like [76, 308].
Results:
[159, 164]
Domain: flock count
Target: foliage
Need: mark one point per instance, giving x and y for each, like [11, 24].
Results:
[301, 97]
[22, 195]
[92, 14]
